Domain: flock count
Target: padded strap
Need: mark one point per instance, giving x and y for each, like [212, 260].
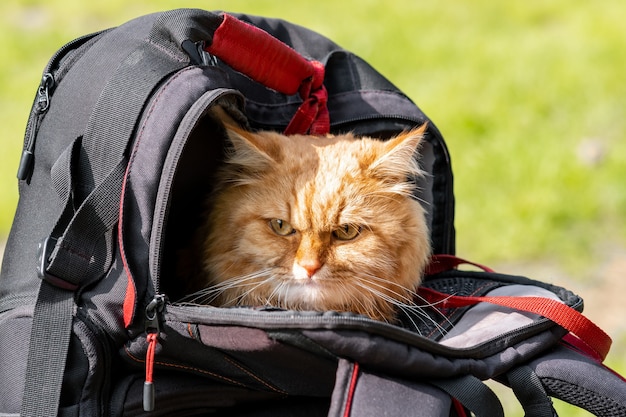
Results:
[47, 353]
[473, 394]
[530, 392]
[571, 376]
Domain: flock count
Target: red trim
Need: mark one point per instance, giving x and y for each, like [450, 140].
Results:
[563, 315]
[441, 263]
[351, 389]
[130, 298]
[571, 342]
[458, 407]
[574, 343]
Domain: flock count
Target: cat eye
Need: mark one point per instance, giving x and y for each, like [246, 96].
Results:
[281, 227]
[347, 232]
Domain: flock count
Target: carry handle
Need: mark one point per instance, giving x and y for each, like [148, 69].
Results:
[264, 58]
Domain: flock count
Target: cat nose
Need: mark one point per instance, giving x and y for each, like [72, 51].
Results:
[311, 266]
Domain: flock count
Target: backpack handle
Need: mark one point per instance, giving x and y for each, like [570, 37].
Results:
[264, 58]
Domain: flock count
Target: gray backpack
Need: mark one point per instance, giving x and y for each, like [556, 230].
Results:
[115, 165]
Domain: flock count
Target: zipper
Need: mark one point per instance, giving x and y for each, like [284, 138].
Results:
[198, 56]
[52, 74]
[154, 310]
[289, 320]
[163, 204]
[40, 107]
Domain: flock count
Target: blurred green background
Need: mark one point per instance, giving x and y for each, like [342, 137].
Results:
[530, 97]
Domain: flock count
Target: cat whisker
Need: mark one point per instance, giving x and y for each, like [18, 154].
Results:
[402, 306]
[209, 294]
[414, 295]
[403, 302]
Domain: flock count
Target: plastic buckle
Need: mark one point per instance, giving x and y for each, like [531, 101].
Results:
[44, 252]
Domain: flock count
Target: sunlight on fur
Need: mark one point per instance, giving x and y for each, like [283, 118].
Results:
[314, 223]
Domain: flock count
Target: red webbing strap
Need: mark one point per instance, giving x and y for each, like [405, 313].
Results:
[267, 60]
[441, 263]
[563, 315]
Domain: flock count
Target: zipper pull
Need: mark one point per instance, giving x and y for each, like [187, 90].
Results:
[153, 328]
[43, 93]
[42, 104]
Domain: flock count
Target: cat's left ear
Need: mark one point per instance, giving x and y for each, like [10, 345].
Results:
[398, 159]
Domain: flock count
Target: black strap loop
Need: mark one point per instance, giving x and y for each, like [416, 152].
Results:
[473, 394]
[530, 392]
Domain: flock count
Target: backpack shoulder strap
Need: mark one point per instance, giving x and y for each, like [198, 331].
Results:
[572, 376]
[67, 257]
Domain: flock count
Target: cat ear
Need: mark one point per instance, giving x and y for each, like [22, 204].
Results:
[252, 151]
[397, 161]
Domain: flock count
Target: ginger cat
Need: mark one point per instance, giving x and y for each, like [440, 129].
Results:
[315, 223]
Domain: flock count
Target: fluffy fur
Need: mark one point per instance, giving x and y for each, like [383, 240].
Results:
[315, 223]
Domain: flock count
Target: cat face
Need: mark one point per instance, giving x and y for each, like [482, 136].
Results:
[316, 223]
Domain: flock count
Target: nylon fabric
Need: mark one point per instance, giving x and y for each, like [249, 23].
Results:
[473, 394]
[567, 375]
[530, 392]
[47, 354]
[375, 395]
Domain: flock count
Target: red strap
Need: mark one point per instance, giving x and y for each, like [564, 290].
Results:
[441, 263]
[563, 315]
[312, 115]
[269, 61]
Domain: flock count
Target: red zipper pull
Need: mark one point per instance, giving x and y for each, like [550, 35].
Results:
[148, 386]
[153, 328]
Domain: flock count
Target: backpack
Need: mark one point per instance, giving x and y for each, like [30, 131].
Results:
[117, 158]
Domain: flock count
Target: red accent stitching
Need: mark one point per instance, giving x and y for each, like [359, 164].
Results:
[186, 368]
[129, 303]
[351, 389]
[257, 378]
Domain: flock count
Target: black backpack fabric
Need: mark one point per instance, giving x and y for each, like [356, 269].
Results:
[117, 161]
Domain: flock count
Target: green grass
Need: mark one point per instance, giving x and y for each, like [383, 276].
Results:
[519, 90]
[516, 88]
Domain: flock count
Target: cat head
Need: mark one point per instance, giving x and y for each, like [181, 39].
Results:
[317, 223]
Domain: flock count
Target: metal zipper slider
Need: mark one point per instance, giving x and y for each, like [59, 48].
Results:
[42, 104]
[43, 93]
[153, 328]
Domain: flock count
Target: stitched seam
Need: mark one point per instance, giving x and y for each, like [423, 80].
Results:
[188, 368]
[257, 378]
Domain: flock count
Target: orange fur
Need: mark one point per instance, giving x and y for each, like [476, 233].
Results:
[321, 190]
